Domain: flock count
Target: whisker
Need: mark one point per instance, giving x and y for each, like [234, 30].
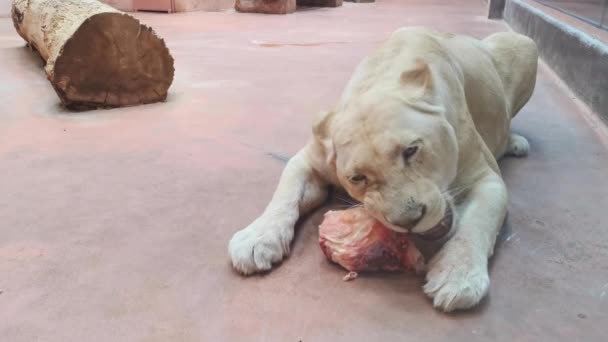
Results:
[347, 206]
[345, 200]
[456, 191]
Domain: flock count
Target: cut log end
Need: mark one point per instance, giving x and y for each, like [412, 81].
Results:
[112, 61]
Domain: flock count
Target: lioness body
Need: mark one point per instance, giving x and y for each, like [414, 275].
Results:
[422, 120]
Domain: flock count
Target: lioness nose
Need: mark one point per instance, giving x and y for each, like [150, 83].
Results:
[422, 212]
[410, 217]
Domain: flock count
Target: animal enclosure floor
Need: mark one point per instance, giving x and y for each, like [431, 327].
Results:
[114, 224]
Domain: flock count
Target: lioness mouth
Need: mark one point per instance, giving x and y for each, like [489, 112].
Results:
[442, 228]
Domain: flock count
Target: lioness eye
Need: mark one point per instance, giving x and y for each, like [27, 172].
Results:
[409, 152]
[357, 178]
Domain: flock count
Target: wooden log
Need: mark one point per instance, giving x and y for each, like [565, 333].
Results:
[320, 3]
[265, 6]
[96, 56]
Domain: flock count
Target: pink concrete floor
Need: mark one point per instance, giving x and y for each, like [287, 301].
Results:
[114, 224]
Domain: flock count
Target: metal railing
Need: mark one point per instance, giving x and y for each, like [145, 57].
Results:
[594, 12]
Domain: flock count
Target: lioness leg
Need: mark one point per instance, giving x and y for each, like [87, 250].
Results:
[515, 57]
[267, 239]
[458, 274]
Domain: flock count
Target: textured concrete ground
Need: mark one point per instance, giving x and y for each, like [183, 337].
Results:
[114, 224]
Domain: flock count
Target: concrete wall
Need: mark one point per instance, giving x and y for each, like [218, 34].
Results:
[203, 5]
[579, 59]
[180, 5]
[495, 9]
[123, 5]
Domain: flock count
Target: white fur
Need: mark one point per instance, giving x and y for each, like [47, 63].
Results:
[261, 244]
[267, 240]
[454, 96]
[518, 146]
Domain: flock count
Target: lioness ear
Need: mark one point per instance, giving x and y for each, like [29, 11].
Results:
[419, 76]
[320, 129]
[320, 126]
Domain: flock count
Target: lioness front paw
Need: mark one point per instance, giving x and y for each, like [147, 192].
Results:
[456, 284]
[257, 247]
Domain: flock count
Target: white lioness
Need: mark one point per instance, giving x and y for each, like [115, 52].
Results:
[415, 138]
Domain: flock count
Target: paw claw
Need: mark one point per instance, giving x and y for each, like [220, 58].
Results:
[257, 247]
[459, 296]
[455, 286]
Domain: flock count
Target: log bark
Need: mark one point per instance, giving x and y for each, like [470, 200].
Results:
[320, 3]
[96, 56]
[266, 6]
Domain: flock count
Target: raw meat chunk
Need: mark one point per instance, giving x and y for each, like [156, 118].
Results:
[358, 242]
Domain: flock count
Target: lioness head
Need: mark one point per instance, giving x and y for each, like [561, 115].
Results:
[393, 150]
